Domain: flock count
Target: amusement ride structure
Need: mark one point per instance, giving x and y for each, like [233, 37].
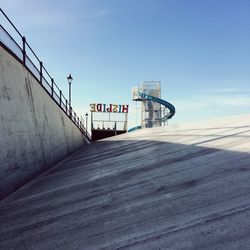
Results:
[154, 111]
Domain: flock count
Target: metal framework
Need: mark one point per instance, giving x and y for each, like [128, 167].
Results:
[151, 111]
[154, 110]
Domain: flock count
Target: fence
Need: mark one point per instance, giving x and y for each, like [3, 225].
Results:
[25, 54]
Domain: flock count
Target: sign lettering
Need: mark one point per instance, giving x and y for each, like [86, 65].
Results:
[110, 108]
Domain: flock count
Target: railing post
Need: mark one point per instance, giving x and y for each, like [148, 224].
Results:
[66, 106]
[52, 87]
[24, 50]
[41, 73]
[60, 97]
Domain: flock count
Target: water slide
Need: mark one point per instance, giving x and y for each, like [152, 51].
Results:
[168, 105]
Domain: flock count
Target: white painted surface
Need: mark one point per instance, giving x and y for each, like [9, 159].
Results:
[180, 187]
[34, 132]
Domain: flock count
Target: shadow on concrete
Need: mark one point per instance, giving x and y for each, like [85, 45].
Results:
[137, 194]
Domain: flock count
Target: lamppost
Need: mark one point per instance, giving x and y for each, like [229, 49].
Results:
[70, 79]
[86, 115]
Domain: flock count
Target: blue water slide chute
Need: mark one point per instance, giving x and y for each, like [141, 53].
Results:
[168, 105]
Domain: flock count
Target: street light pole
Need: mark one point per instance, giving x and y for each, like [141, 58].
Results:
[86, 115]
[70, 79]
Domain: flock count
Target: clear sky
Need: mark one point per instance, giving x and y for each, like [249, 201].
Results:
[198, 49]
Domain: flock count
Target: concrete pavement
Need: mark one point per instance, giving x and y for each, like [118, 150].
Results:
[180, 187]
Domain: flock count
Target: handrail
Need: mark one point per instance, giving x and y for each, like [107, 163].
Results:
[10, 22]
[54, 90]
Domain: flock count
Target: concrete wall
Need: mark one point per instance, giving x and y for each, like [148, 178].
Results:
[34, 132]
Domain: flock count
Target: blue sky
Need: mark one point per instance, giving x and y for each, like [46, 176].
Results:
[198, 49]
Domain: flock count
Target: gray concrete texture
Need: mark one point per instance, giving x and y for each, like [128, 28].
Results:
[179, 187]
[34, 132]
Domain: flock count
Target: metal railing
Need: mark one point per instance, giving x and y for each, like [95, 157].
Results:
[25, 54]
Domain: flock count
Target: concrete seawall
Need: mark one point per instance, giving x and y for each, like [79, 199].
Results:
[34, 132]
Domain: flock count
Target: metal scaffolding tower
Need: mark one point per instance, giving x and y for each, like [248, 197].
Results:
[155, 111]
[151, 111]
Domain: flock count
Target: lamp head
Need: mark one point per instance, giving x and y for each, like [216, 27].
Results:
[70, 79]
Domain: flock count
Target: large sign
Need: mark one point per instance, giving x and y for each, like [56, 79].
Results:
[110, 108]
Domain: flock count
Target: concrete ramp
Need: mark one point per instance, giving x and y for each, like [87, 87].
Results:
[183, 187]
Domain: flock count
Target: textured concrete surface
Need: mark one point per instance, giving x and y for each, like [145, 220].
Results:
[34, 132]
[182, 187]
